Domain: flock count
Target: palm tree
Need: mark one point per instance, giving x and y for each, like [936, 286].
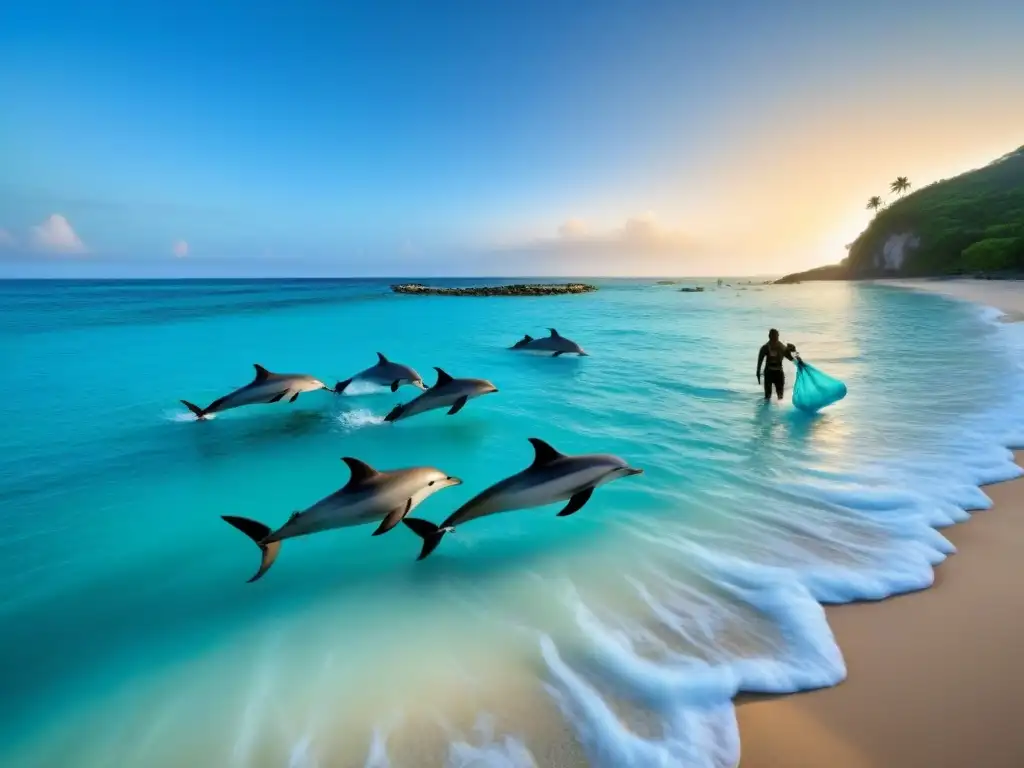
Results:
[874, 203]
[901, 185]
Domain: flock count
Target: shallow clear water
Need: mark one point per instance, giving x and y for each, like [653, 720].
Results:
[128, 635]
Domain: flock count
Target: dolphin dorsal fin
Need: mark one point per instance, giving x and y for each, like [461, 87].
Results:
[262, 374]
[442, 377]
[545, 454]
[361, 471]
[554, 333]
[381, 360]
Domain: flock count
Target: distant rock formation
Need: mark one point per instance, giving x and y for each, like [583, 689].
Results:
[831, 272]
[523, 289]
[970, 224]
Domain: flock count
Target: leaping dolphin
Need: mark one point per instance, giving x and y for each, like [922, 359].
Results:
[267, 387]
[386, 374]
[447, 392]
[552, 477]
[555, 343]
[368, 496]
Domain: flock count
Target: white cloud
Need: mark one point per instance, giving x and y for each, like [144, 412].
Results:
[640, 245]
[6, 239]
[642, 231]
[644, 227]
[572, 228]
[55, 234]
[180, 249]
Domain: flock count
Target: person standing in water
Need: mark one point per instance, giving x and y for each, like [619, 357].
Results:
[771, 355]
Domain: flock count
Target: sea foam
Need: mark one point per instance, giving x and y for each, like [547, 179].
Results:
[907, 500]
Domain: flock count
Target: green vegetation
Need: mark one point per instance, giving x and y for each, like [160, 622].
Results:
[874, 203]
[971, 223]
[994, 254]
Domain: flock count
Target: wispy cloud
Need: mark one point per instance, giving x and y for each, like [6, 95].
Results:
[641, 232]
[572, 228]
[180, 249]
[646, 229]
[642, 244]
[56, 235]
[7, 239]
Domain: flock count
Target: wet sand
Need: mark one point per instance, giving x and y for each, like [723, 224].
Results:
[1007, 295]
[934, 678]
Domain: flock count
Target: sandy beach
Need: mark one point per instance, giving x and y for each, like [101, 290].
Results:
[1007, 295]
[934, 678]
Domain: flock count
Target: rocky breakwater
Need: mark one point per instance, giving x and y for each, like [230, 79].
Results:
[525, 289]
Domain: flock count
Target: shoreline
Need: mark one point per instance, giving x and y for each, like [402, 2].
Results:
[1005, 295]
[932, 675]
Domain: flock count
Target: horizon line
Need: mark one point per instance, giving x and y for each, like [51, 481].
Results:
[172, 278]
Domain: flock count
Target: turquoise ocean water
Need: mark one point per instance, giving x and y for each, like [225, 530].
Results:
[128, 636]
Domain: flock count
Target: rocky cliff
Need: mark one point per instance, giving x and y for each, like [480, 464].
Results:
[971, 223]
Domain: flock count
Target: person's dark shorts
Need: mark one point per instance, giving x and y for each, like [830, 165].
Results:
[775, 379]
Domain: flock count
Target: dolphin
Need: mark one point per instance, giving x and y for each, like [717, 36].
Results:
[555, 343]
[386, 374]
[446, 392]
[368, 496]
[552, 477]
[267, 387]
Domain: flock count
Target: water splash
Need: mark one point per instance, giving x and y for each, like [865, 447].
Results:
[359, 418]
[183, 416]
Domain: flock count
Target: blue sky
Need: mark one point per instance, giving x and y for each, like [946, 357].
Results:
[481, 137]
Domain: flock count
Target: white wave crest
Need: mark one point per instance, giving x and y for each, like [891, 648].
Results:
[893, 508]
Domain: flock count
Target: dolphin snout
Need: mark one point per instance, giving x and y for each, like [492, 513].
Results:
[492, 389]
[454, 481]
[630, 471]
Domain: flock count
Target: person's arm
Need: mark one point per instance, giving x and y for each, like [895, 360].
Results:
[760, 359]
[790, 352]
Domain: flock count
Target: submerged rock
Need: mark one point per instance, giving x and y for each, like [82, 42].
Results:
[522, 289]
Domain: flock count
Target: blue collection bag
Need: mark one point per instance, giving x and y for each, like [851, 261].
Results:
[815, 389]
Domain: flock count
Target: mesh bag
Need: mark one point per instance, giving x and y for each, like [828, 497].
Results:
[815, 389]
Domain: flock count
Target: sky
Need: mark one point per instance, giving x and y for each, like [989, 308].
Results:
[541, 137]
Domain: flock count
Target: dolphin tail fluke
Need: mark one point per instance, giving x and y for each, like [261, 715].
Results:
[199, 412]
[395, 413]
[426, 530]
[341, 386]
[258, 532]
